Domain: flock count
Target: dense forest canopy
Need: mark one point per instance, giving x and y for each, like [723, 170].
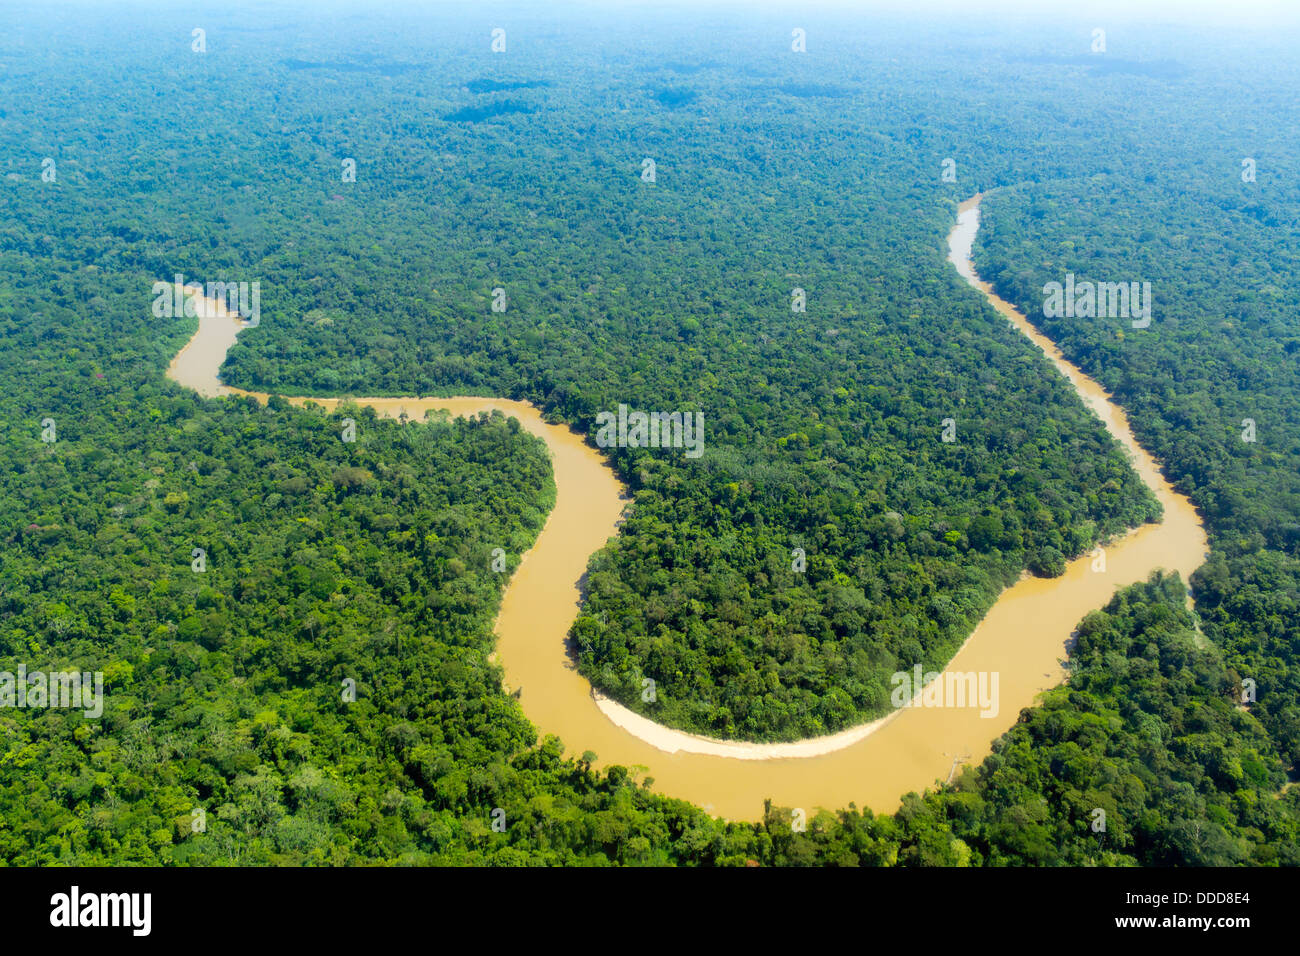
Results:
[823, 427]
[525, 171]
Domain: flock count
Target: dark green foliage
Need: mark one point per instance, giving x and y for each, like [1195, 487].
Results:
[329, 561]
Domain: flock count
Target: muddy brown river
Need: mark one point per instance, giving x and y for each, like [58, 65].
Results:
[1022, 638]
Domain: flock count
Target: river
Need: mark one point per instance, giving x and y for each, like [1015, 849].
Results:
[1022, 638]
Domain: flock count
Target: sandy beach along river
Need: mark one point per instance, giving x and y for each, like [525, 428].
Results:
[1022, 639]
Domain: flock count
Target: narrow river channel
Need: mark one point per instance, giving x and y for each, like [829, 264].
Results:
[1022, 638]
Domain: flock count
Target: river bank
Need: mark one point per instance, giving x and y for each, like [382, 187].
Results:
[1022, 639]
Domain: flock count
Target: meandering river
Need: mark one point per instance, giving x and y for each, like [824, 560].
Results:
[1022, 638]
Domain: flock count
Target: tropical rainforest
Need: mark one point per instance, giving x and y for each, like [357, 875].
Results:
[324, 691]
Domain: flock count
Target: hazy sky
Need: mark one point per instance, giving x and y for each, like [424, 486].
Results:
[1243, 12]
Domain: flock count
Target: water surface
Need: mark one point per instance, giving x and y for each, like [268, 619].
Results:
[1023, 637]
